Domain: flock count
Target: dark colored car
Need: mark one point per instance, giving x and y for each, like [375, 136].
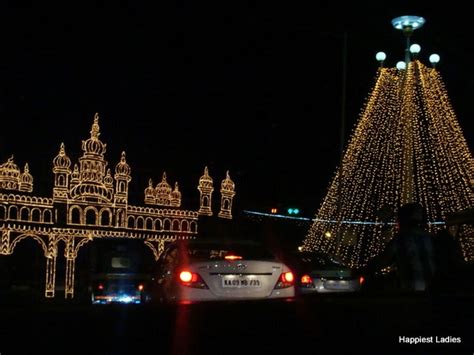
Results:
[120, 280]
[318, 272]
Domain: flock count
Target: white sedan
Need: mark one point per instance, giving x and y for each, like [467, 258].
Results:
[190, 271]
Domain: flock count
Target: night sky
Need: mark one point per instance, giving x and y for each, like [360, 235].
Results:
[250, 87]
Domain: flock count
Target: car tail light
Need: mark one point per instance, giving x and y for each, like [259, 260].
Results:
[306, 280]
[140, 287]
[361, 280]
[100, 287]
[286, 280]
[191, 279]
[186, 276]
[232, 257]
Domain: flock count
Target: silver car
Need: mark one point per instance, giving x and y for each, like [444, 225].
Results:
[319, 272]
[190, 271]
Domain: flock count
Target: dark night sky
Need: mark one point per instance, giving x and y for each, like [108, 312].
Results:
[252, 87]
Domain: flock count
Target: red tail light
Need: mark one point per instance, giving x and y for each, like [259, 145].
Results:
[361, 280]
[306, 280]
[287, 277]
[185, 276]
[286, 280]
[191, 279]
[100, 287]
[232, 257]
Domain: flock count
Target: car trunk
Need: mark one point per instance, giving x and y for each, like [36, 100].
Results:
[240, 279]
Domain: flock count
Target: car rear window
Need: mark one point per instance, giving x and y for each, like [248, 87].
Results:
[213, 251]
[319, 260]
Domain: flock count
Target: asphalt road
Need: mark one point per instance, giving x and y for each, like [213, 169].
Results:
[346, 324]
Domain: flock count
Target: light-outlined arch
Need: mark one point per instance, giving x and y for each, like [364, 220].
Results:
[158, 225]
[29, 235]
[76, 215]
[47, 216]
[193, 227]
[131, 222]
[166, 224]
[149, 223]
[176, 226]
[140, 222]
[90, 216]
[36, 215]
[13, 212]
[24, 214]
[184, 226]
[105, 217]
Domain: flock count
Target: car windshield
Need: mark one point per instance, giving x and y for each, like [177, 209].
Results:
[230, 251]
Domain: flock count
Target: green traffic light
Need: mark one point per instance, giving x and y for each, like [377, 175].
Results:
[293, 211]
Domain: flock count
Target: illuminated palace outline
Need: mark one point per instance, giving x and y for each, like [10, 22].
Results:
[88, 202]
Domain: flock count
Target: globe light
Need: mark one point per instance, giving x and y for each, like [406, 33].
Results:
[401, 65]
[380, 56]
[434, 58]
[415, 48]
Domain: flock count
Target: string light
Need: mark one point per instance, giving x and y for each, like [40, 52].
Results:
[89, 203]
[407, 146]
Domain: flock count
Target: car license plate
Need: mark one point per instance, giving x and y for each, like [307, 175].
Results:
[336, 285]
[240, 282]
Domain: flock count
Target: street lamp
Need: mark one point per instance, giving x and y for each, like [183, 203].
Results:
[381, 56]
[408, 24]
[401, 65]
[415, 48]
[434, 59]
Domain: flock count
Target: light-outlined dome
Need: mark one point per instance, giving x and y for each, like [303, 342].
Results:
[9, 169]
[75, 173]
[227, 184]
[26, 177]
[62, 161]
[108, 179]
[93, 146]
[163, 189]
[91, 191]
[206, 180]
[122, 168]
[176, 195]
[150, 190]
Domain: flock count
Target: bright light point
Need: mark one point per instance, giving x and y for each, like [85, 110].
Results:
[380, 56]
[403, 22]
[434, 58]
[296, 211]
[401, 65]
[415, 48]
[327, 234]
[300, 248]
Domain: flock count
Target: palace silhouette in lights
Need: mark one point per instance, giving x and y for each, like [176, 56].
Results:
[89, 203]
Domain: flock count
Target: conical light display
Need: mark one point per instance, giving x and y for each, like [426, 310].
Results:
[407, 146]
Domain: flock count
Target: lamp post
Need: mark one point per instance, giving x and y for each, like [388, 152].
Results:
[408, 24]
[380, 57]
